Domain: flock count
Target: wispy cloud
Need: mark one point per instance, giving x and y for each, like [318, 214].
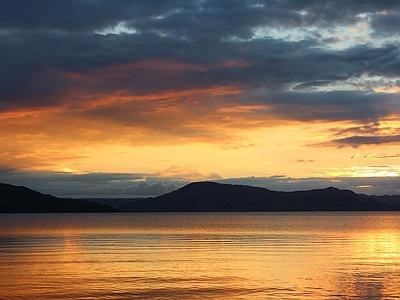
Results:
[381, 156]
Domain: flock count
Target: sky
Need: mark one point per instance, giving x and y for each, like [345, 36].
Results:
[120, 98]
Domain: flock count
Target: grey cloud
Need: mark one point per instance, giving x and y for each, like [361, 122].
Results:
[387, 23]
[311, 85]
[362, 185]
[158, 188]
[91, 184]
[79, 15]
[213, 20]
[39, 66]
[48, 58]
[336, 10]
[333, 106]
[195, 17]
[357, 141]
[144, 188]
[367, 134]
[371, 129]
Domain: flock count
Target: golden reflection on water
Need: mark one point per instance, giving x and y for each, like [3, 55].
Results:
[374, 272]
[362, 261]
[189, 256]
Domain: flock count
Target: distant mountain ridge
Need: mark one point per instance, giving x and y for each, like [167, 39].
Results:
[217, 197]
[19, 199]
[202, 197]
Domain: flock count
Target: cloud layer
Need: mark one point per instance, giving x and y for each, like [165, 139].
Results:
[83, 74]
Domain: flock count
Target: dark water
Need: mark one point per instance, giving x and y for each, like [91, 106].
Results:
[200, 256]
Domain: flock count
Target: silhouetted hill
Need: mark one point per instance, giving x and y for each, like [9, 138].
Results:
[116, 203]
[210, 196]
[393, 199]
[19, 199]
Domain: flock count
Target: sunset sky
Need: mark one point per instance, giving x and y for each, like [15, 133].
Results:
[128, 98]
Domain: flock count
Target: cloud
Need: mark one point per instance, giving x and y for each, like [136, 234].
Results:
[371, 128]
[386, 22]
[357, 141]
[150, 189]
[201, 18]
[52, 60]
[133, 185]
[126, 185]
[185, 173]
[370, 134]
[82, 75]
[364, 185]
[75, 50]
[69, 65]
[90, 184]
[304, 160]
[381, 156]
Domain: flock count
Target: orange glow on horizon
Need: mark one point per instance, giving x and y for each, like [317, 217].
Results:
[149, 133]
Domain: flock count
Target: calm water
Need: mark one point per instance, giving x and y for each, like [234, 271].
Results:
[200, 256]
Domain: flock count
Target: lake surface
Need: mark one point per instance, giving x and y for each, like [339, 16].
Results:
[200, 256]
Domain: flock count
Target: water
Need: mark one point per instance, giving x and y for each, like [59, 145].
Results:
[200, 256]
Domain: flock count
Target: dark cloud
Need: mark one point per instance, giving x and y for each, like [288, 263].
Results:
[364, 185]
[48, 69]
[179, 16]
[381, 156]
[386, 23]
[371, 129]
[370, 134]
[51, 52]
[331, 12]
[196, 20]
[69, 54]
[105, 184]
[329, 106]
[311, 85]
[91, 184]
[80, 15]
[357, 141]
[217, 19]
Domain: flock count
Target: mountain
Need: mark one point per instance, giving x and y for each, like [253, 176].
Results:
[116, 203]
[216, 197]
[19, 199]
[393, 199]
[203, 197]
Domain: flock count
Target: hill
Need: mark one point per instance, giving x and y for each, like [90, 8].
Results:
[216, 197]
[19, 199]
[116, 203]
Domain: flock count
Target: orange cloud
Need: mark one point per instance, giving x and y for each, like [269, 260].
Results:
[389, 90]
[58, 137]
[242, 108]
[82, 99]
